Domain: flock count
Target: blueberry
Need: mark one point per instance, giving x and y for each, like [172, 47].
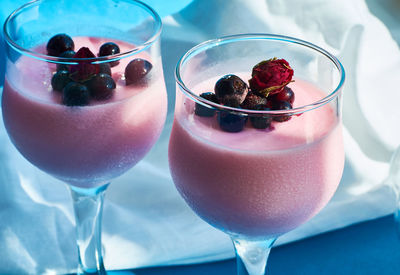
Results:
[101, 86]
[105, 68]
[201, 110]
[231, 90]
[109, 48]
[136, 71]
[253, 101]
[59, 43]
[66, 54]
[60, 80]
[282, 105]
[75, 94]
[262, 121]
[230, 122]
[286, 94]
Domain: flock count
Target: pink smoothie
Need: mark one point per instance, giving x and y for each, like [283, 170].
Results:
[83, 146]
[257, 183]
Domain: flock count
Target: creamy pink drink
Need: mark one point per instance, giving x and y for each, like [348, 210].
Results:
[84, 146]
[257, 183]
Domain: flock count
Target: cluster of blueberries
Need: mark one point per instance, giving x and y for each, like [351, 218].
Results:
[83, 81]
[232, 91]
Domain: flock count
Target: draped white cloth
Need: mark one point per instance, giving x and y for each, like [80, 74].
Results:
[145, 220]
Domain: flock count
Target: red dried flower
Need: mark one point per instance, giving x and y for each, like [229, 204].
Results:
[271, 76]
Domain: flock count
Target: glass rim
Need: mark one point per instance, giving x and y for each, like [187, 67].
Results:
[258, 36]
[74, 61]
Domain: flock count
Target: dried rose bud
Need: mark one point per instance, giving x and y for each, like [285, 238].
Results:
[84, 70]
[271, 76]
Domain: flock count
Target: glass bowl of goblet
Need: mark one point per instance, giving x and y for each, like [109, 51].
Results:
[84, 98]
[256, 173]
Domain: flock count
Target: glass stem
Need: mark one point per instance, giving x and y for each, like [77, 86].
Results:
[252, 256]
[88, 208]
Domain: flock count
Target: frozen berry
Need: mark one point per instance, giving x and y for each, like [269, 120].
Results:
[60, 80]
[109, 48]
[282, 105]
[253, 101]
[202, 110]
[231, 90]
[136, 71]
[230, 122]
[262, 121]
[75, 94]
[101, 86]
[105, 68]
[84, 70]
[59, 44]
[286, 94]
[66, 54]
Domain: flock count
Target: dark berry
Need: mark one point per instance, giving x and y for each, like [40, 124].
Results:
[262, 121]
[101, 86]
[60, 43]
[230, 122]
[286, 94]
[282, 105]
[231, 102]
[75, 94]
[231, 90]
[105, 68]
[253, 101]
[136, 71]
[67, 54]
[60, 80]
[84, 70]
[201, 110]
[109, 48]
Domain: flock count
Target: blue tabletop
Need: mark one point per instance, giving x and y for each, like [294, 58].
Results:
[368, 248]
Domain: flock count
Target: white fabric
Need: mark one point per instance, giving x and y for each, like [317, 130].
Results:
[145, 220]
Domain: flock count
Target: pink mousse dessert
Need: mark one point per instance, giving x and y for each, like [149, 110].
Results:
[266, 177]
[85, 143]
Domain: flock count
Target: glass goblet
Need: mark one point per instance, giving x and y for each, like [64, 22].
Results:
[88, 116]
[257, 173]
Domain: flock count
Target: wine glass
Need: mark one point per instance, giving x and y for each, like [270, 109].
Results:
[257, 173]
[84, 111]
